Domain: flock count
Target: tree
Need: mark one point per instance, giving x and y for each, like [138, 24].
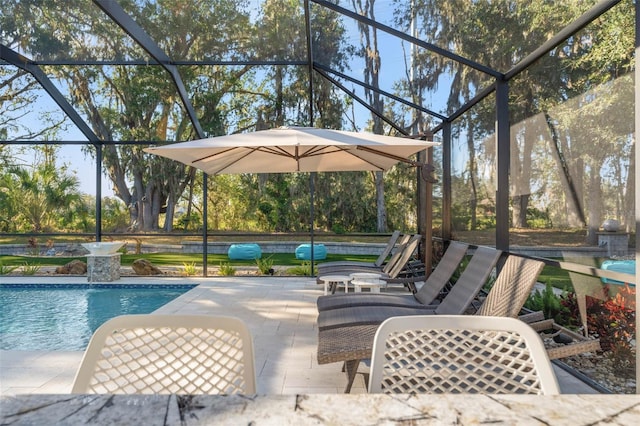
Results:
[43, 196]
[136, 103]
[499, 34]
[371, 54]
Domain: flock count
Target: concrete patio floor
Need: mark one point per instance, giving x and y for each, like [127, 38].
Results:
[279, 311]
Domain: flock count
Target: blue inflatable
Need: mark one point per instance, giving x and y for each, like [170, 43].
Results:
[625, 266]
[303, 252]
[244, 252]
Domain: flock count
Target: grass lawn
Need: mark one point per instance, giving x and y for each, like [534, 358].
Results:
[176, 259]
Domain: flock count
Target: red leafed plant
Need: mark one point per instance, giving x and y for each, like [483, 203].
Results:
[613, 322]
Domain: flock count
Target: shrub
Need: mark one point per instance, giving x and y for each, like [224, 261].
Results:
[190, 268]
[33, 247]
[547, 302]
[226, 269]
[28, 269]
[265, 266]
[303, 269]
[5, 269]
[613, 322]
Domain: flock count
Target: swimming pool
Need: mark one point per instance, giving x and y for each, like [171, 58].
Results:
[63, 317]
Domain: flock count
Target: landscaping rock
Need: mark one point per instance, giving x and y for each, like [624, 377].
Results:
[75, 267]
[144, 267]
[74, 250]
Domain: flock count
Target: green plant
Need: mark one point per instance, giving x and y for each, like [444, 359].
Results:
[28, 269]
[303, 269]
[6, 269]
[265, 266]
[226, 269]
[547, 302]
[190, 268]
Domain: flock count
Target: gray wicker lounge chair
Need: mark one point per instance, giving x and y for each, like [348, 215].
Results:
[456, 302]
[401, 256]
[400, 270]
[429, 291]
[380, 261]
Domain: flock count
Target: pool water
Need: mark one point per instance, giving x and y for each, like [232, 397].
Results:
[37, 318]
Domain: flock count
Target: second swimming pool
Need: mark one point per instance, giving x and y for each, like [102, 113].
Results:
[63, 318]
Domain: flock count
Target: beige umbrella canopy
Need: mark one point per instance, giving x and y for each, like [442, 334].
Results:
[293, 149]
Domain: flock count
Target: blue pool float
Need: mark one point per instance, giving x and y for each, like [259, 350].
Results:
[303, 252]
[244, 252]
[625, 266]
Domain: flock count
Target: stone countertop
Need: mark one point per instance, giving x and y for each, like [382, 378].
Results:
[320, 409]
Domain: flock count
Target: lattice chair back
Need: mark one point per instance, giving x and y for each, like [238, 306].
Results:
[512, 287]
[459, 354]
[168, 354]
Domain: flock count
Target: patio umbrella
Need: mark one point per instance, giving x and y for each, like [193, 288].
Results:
[294, 149]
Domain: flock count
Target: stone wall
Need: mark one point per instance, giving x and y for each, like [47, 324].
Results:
[103, 268]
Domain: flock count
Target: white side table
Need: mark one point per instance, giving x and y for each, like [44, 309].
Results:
[369, 280]
[332, 281]
[373, 286]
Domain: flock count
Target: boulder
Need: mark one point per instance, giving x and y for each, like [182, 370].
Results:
[144, 267]
[75, 267]
[74, 249]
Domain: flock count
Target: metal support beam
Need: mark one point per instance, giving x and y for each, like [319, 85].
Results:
[575, 26]
[312, 175]
[447, 219]
[428, 46]
[98, 192]
[503, 163]
[139, 35]
[205, 228]
[27, 65]
[364, 103]
[637, 194]
[320, 68]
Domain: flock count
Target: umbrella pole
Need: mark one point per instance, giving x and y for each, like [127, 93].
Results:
[311, 214]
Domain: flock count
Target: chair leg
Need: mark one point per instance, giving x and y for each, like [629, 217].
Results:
[351, 367]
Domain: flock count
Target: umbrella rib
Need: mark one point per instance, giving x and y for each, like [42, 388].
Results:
[386, 154]
[272, 150]
[210, 156]
[353, 153]
[217, 154]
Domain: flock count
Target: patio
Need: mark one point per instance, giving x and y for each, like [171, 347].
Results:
[279, 311]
